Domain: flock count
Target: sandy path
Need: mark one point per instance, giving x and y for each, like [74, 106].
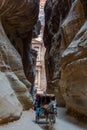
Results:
[66, 122]
[63, 122]
[25, 123]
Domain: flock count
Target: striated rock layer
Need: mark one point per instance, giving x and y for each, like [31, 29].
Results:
[17, 60]
[55, 13]
[65, 39]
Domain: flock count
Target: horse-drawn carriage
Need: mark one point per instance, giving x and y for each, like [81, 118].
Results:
[45, 106]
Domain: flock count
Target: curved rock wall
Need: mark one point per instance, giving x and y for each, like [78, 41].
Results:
[65, 39]
[55, 13]
[17, 19]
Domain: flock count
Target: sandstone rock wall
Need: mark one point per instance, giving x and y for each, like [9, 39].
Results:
[17, 60]
[65, 39]
[10, 107]
[18, 20]
[55, 13]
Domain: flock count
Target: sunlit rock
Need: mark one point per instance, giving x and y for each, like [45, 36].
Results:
[10, 107]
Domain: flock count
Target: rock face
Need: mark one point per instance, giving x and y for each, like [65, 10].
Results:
[65, 39]
[18, 24]
[55, 13]
[10, 108]
[74, 78]
[17, 60]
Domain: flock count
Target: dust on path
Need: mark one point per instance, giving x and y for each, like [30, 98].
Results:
[65, 122]
[26, 122]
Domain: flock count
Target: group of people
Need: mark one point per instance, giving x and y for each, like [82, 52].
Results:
[45, 101]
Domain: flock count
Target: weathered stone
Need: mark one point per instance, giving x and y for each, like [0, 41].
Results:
[55, 13]
[37, 29]
[65, 38]
[17, 19]
[74, 21]
[10, 107]
[12, 63]
[74, 77]
[20, 90]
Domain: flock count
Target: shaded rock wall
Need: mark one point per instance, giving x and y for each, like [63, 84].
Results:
[17, 60]
[55, 13]
[65, 42]
[18, 20]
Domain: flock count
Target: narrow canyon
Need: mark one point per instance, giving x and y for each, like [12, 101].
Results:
[65, 41]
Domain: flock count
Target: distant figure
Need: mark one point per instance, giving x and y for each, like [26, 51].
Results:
[44, 92]
[34, 92]
[37, 102]
[35, 89]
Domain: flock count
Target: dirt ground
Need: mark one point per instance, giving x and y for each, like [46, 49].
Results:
[63, 122]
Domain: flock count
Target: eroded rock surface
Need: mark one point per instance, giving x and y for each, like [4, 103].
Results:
[65, 39]
[10, 107]
[55, 13]
[17, 60]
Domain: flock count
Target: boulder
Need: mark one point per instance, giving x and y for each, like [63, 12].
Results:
[10, 107]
